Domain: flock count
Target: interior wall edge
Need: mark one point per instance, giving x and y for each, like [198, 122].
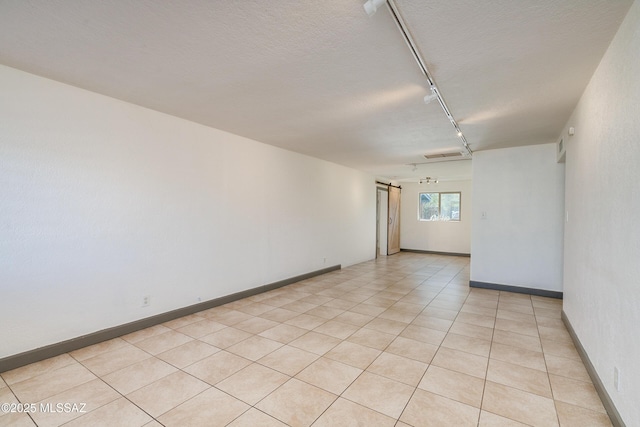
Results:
[517, 289]
[607, 402]
[56, 349]
[420, 251]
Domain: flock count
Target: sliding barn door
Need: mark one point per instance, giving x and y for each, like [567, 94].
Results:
[393, 233]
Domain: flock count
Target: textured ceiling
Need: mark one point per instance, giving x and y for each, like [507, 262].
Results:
[321, 77]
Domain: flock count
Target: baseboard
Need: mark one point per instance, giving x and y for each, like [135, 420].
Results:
[420, 251]
[42, 353]
[516, 289]
[613, 413]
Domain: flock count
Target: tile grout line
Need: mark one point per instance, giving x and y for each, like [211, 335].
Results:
[486, 372]
[365, 370]
[78, 361]
[553, 397]
[110, 386]
[381, 351]
[399, 289]
[321, 356]
[429, 364]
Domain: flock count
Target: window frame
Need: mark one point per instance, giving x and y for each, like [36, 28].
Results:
[440, 193]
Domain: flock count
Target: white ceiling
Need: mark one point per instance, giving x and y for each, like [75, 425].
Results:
[321, 77]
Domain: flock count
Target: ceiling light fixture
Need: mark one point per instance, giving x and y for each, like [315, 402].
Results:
[432, 96]
[371, 6]
[428, 180]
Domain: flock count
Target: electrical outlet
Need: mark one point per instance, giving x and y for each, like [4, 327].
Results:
[616, 379]
[324, 260]
[146, 300]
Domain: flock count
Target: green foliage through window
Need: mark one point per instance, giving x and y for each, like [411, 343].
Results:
[439, 207]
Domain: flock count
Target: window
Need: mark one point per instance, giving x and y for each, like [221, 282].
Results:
[439, 207]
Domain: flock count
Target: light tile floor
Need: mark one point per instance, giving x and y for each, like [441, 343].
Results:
[401, 341]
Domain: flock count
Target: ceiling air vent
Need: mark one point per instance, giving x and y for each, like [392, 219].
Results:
[443, 155]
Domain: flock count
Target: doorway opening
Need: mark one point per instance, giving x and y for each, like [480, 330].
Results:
[382, 219]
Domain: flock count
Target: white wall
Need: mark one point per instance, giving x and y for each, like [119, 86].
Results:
[602, 240]
[519, 243]
[437, 236]
[103, 202]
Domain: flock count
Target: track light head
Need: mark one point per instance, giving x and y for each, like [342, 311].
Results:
[371, 6]
[432, 96]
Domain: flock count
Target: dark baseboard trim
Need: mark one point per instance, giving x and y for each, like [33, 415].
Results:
[613, 413]
[420, 251]
[516, 289]
[38, 354]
